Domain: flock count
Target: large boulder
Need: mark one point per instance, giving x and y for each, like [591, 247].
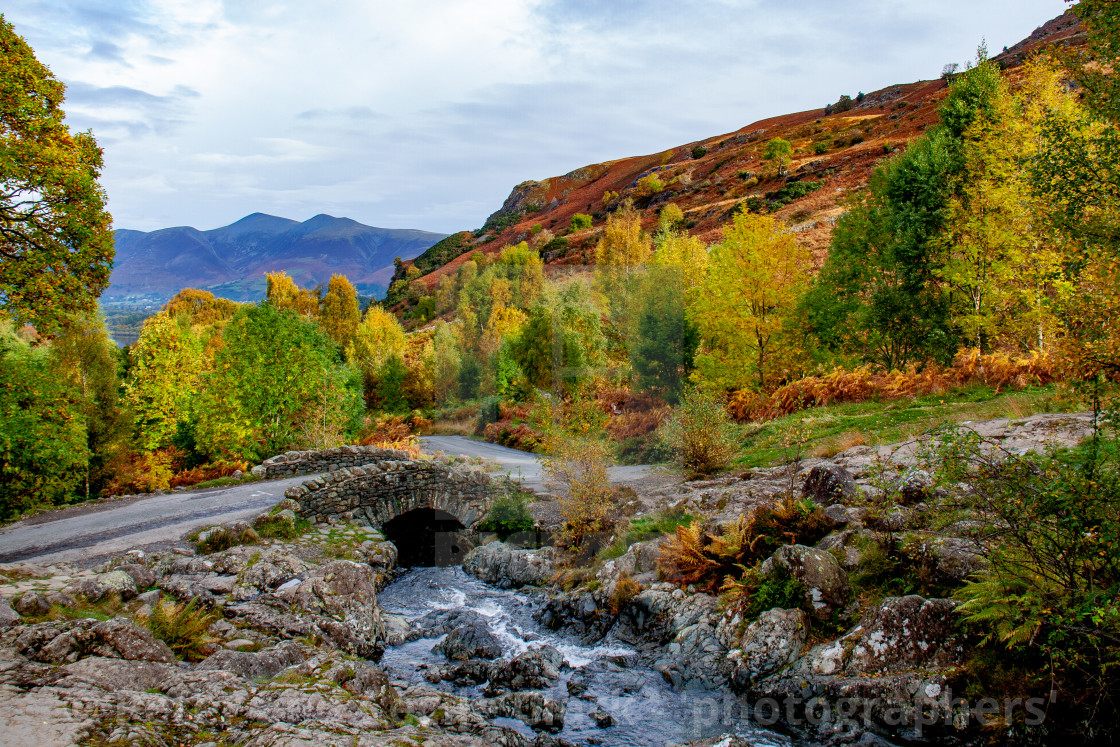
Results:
[770, 643]
[471, 641]
[827, 588]
[103, 586]
[829, 483]
[506, 567]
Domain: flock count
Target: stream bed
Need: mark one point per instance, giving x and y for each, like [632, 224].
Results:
[607, 676]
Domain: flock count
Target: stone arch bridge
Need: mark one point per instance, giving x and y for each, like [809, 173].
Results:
[430, 509]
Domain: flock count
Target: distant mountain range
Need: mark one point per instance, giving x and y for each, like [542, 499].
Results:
[231, 261]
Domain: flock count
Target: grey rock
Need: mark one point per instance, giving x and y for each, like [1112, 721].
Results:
[142, 576]
[264, 664]
[601, 718]
[535, 710]
[32, 604]
[506, 567]
[827, 588]
[103, 586]
[8, 616]
[470, 641]
[915, 486]
[71, 640]
[535, 669]
[829, 483]
[770, 643]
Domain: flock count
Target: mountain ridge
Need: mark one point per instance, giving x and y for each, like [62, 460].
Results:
[230, 261]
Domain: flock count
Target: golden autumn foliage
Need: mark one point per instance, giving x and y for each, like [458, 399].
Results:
[997, 370]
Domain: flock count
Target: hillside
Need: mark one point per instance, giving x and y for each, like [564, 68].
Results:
[231, 261]
[835, 151]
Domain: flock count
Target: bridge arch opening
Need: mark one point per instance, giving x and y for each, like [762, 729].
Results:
[427, 537]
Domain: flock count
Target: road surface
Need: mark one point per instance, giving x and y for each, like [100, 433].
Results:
[520, 465]
[96, 530]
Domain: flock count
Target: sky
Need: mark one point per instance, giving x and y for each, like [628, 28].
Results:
[425, 113]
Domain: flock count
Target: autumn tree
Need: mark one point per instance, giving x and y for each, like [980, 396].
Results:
[283, 293]
[56, 241]
[339, 313]
[623, 247]
[756, 276]
[377, 339]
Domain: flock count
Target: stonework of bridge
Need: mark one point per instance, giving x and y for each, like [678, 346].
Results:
[428, 508]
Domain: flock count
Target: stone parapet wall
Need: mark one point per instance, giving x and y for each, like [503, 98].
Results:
[293, 463]
[379, 491]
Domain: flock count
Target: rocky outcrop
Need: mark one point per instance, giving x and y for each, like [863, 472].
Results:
[507, 567]
[336, 602]
[68, 641]
[890, 669]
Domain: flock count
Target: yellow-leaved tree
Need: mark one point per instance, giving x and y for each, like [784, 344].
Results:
[339, 313]
[378, 338]
[755, 277]
[283, 293]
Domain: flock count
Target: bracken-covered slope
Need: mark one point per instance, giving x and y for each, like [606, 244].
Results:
[231, 261]
[834, 154]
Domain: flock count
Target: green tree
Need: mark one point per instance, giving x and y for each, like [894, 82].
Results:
[44, 453]
[56, 242]
[581, 222]
[272, 371]
[877, 294]
[779, 151]
[165, 375]
[667, 338]
[91, 363]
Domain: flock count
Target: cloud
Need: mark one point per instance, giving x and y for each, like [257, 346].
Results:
[426, 114]
[348, 112]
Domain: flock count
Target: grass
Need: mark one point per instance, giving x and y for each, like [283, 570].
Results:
[834, 428]
[223, 482]
[644, 528]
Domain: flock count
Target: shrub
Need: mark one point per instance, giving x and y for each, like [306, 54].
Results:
[699, 433]
[184, 628]
[508, 515]
[578, 465]
[752, 594]
[708, 557]
[276, 527]
[699, 151]
[581, 222]
[650, 184]
[820, 148]
[625, 590]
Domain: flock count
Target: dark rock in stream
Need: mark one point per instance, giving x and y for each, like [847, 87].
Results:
[470, 641]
